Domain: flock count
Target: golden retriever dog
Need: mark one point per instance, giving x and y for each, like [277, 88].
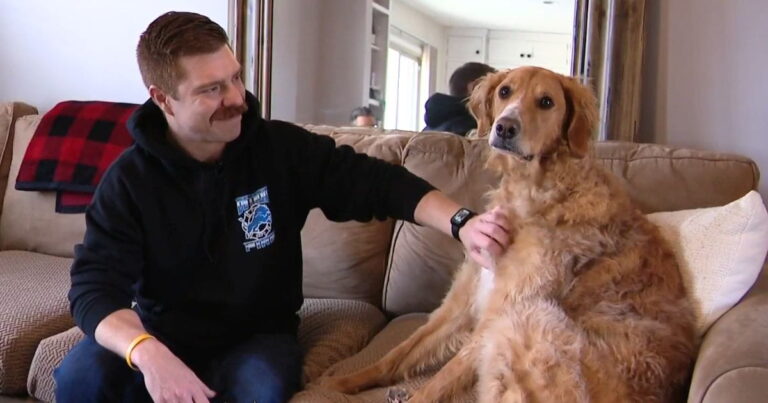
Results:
[586, 305]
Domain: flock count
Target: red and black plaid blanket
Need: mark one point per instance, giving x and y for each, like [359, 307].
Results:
[71, 149]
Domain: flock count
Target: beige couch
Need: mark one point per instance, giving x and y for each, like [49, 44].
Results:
[367, 284]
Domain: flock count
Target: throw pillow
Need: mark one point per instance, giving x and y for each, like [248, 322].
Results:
[721, 251]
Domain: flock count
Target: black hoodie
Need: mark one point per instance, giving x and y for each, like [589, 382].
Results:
[449, 114]
[211, 253]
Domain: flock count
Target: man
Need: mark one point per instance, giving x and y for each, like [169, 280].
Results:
[449, 113]
[363, 117]
[199, 223]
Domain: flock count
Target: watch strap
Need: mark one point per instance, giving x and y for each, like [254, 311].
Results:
[458, 220]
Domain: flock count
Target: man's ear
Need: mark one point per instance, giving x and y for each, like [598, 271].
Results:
[160, 98]
[480, 102]
[583, 115]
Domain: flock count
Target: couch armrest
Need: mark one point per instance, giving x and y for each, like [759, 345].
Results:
[732, 365]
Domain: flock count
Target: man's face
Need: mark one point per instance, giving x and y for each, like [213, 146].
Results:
[209, 101]
[365, 121]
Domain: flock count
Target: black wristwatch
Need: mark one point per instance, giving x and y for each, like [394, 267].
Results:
[459, 219]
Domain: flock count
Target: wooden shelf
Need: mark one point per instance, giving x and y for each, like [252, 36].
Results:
[380, 17]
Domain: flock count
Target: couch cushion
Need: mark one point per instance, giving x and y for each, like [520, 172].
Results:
[393, 334]
[49, 354]
[720, 250]
[33, 306]
[330, 331]
[29, 221]
[345, 260]
[334, 329]
[663, 178]
[9, 112]
[423, 261]
[348, 260]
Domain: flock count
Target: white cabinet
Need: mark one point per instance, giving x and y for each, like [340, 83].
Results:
[510, 49]
[509, 53]
[551, 52]
[466, 48]
[465, 45]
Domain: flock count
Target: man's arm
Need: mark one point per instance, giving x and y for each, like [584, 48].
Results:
[167, 378]
[116, 331]
[347, 185]
[485, 236]
[106, 266]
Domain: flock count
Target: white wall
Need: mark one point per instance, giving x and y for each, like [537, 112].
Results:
[705, 80]
[345, 52]
[52, 51]
[295, 58]
[425, 29]
[321, 56]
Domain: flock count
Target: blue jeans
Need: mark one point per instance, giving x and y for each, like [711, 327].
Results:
[264, 369]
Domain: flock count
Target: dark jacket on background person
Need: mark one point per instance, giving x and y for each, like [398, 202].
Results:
[448, 113]
[211, 253]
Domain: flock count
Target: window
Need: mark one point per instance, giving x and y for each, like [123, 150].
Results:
[402, 95]
[404, 92]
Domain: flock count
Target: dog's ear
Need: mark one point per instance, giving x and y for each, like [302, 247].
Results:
[480, 102]
[582, 111]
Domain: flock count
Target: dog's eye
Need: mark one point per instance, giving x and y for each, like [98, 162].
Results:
[505, 91]
[546, 103]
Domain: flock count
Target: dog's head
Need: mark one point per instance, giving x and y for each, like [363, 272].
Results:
[529, 112]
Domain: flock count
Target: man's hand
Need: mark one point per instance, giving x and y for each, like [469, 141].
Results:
[167, 378]
[486, 237]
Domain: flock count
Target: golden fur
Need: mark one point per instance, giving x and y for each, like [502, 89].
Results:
[586, 305]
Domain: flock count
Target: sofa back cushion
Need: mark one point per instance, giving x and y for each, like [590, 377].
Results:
[9, 112]
[28, 221]
[348, 260]
[658, 178]
[424, 260]
[661, 178]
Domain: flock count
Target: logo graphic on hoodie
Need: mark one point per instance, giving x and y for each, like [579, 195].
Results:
[255, 219]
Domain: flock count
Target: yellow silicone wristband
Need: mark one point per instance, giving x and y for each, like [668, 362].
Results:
[134, 343]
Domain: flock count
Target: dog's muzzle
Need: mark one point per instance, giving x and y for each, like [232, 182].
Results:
[505, 136]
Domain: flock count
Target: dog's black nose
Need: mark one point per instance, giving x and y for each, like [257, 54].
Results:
[507, 128]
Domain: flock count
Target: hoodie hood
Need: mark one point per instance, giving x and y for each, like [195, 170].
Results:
[447, 113]
[441, 108]
[148, 127]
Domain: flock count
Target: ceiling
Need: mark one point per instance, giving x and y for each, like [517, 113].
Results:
[524, 15]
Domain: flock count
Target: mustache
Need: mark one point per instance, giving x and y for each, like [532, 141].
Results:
[229, 112]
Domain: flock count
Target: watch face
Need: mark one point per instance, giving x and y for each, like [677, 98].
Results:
[461, 215]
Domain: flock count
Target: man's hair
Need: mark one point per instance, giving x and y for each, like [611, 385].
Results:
[466, 74]
[171, 36]
[361, 111]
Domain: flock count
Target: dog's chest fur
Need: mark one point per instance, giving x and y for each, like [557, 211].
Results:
[531, 268]
[485, 284]
[551, 218]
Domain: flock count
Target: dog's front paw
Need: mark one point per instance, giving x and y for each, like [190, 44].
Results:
[397, 395]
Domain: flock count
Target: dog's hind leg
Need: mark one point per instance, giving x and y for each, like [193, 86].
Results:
[444, 333]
